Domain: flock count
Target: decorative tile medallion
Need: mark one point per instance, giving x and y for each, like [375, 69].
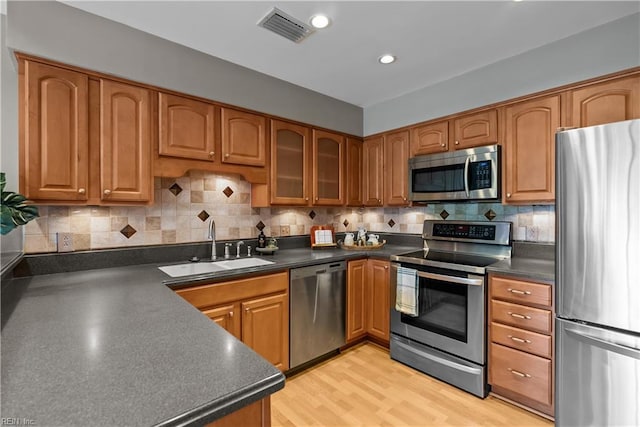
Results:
[490, 214]
[128, 231]
[391, 223]
[204, 215]
[260, 226]
[312, 214]
[444, 214]
[228, 191]
[175, 189]
[345, 223]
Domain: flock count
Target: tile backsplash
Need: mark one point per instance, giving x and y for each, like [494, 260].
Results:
[184, 206]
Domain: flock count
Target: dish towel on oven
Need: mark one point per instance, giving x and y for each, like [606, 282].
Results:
[407, 291]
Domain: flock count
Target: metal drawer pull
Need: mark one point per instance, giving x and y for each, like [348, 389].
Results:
[520, 340]
[519, 316]
[520, 374]
[516, 291]
[452, 279]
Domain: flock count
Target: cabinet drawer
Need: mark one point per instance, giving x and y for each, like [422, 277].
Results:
[521, 316]
[521, 339]
[520, 291]
[520, 372]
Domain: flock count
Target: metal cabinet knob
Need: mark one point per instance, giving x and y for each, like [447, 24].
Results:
[226, 156]
[212, 153]
[81, 190]
[231, 314]
[107, 192]
[306, 199]
[386, 267]
[317, 199]
[508, 195]
[442, 145]
[457, 142]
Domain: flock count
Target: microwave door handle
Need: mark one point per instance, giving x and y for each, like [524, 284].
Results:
[466, 176]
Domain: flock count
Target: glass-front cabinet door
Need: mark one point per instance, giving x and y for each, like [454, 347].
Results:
[290, 152]
[328, 159]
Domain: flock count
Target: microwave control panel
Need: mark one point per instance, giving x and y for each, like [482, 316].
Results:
[480, 175]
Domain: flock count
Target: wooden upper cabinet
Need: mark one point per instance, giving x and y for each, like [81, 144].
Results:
[608, 102]
[328, 168]
[54, 133]
[187, 127]
[430, 138]
[530, 128]
[354, 172]
[373, 173]
[476, 129]
[125, 142]
[243, 137]
[396, 168]
[290, 162]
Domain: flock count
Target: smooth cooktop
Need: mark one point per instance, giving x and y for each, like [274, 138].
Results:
[451, 258]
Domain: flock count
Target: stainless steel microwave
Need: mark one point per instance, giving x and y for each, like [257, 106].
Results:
[472, 174]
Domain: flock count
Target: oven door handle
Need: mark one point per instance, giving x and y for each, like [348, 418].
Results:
[452, 279]
[466, 176]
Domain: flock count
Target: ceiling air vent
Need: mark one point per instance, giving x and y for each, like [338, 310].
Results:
[285, 25]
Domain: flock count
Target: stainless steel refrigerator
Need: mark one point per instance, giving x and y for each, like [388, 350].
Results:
[598, 275]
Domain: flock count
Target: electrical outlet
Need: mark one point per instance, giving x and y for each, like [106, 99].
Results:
[65, 242]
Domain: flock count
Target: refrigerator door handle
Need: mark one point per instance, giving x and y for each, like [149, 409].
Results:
[605, 344]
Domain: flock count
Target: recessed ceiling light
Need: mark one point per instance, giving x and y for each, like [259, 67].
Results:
[386, 59]
[319, 21]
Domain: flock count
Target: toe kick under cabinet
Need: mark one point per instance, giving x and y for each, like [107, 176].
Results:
[521, 347]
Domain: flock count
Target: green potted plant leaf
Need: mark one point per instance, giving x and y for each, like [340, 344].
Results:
[14, 211]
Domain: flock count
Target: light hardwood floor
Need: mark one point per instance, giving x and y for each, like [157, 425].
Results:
[364, 387]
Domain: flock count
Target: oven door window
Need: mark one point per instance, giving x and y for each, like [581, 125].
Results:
[442, 309]
[440, 179]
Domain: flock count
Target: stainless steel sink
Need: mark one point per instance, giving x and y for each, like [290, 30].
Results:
[194, 268]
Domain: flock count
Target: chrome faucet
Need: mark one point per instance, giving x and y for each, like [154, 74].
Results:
[240, 243]
[212, 237]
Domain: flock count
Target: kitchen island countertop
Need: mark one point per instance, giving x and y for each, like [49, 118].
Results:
[116, 346]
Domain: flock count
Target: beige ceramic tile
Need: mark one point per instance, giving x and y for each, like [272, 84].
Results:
[168, 236]
[81, 242]
[118, 223]
[100, 240]
[100, 224]
[59, 224]
[152, 223]
[81, 225]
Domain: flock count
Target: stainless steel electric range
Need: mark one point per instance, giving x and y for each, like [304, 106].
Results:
[447, 338]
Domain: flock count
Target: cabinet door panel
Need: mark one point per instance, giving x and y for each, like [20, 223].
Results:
[608, 102]
[354, 172]
[243, 138]
[55, 134]
[228, 317]
[530, 150]
[378, 289]
[186, 128]
[373, 171]
[328, 168]
[125, 142]
[396, 168]
[289, 163]
[476, 129]
[431, 138]
[265, 328]
[356, 300]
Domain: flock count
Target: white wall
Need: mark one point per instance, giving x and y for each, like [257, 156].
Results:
[66, 34]
[12, 243]
[606, 49]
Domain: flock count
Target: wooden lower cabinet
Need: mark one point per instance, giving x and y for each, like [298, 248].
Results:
[368, 300]
[265, 325]
[254, 310]
[521, 349]
[257, 414]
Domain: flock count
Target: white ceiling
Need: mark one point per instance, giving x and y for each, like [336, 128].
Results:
[433, 40]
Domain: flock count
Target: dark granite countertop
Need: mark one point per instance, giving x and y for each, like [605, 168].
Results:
[116, 346]
[529, 261]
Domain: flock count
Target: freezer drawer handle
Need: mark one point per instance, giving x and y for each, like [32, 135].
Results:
[518, 373]
[520, 340]
[607, 345]
[452, 279]
[519, 292]
[519, 316]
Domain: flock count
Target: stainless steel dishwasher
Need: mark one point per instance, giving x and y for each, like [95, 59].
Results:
[317, 311]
